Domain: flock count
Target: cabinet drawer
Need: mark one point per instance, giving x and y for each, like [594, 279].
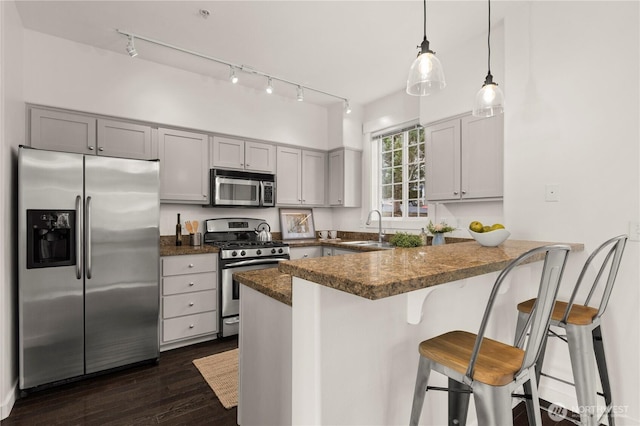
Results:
[191, 264]
[189, 303]
[189, 326]
[187, 283]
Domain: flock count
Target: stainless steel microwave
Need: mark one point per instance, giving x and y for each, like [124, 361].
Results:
[237, 188]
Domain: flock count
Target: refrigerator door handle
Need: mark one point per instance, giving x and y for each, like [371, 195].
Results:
[88, 234]
[79, 233]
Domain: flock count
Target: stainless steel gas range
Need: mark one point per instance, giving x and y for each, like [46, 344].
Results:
[240, 251]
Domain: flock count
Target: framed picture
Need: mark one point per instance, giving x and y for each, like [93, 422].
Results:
[297, 224]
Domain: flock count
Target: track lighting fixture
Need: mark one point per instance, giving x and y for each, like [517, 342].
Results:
[489, 99]
[131, 48]
[234, 68]
[425, 75]
[232, 75]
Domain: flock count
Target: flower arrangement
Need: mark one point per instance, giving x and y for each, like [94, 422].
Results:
[439, 228]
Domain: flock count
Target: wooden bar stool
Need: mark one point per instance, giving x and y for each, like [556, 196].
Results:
[490, 369]
[582, 327]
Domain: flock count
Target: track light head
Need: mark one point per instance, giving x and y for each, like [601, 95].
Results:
[269, 86]
[131, 48]
[347, 107]
[300, 96]
[232, 75]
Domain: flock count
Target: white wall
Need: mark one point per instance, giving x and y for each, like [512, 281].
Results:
[11, 135]
[572, 119]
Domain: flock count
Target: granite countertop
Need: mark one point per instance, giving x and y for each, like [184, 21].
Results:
[268, 281]
[168, 247]
[385, 273]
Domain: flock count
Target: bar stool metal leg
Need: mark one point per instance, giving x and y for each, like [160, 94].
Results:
[459, 394]
[493, 405]
[580, 341]
[424, 369]
[598, 346]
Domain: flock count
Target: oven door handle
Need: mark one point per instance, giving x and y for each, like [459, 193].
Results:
[253, 262]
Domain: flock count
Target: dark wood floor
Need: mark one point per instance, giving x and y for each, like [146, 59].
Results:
[171, 392]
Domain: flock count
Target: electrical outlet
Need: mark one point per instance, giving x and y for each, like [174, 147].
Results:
[552, 192]
[634, 231]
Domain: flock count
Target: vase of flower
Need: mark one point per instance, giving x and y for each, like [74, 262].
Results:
[438, 239]
[438, 232]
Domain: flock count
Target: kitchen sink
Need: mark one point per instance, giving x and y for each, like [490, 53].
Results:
[383, 245]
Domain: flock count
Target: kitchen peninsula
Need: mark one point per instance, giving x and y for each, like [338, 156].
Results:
[334, 340]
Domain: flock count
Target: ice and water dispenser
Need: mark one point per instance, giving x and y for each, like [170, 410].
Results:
[50, 238]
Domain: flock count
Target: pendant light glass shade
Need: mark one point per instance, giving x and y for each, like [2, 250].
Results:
[425, 75]
[489, 99]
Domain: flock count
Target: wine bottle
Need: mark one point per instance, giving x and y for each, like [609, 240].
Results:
[178, 232]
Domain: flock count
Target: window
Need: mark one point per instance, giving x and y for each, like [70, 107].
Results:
[401, 180]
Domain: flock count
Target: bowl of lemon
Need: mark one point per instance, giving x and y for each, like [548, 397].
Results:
[488, 236]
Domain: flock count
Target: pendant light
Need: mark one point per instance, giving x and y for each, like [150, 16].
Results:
[489, 99]
[425, 75]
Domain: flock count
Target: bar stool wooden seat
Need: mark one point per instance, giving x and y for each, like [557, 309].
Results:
[490, 369]
[582, 327]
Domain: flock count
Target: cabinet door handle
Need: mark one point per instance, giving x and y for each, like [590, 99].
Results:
[455, 192]
[100, 148]
[247, 165]
[191, 326]
[190, 303]
[306, 255]
[464, 192]
[191, 265]
[191, 284]
[90, 148]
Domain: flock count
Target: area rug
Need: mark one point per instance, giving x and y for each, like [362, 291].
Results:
[221, 373]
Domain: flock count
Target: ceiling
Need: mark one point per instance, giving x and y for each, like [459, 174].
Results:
[359, 50]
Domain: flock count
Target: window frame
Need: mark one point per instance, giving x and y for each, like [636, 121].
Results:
[377, 171]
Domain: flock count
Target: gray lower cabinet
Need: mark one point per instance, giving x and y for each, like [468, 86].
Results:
[307, 252]
[189, 300]
[184, 166]
[84, 134]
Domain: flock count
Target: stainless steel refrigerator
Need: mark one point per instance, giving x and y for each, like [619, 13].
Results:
[88, 242]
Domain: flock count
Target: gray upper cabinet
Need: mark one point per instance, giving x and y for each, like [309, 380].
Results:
[229, 153]
[122, 139]
[301, 177]
[84, 134]
[464, 158]
[184, 166]
[345, 178]
[62, 131]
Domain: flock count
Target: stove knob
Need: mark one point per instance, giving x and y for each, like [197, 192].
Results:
[234, 253]
[280, 251]
[273, 251]
[242, 253]
[259, 252]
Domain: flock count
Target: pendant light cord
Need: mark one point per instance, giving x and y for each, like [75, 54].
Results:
[489, 40]
[424, 15]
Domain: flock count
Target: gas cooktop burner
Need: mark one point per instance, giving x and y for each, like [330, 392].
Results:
[237, 239]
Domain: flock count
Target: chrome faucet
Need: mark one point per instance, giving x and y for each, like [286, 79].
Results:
[379, 223]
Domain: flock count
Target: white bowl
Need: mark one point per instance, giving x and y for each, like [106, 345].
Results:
[491, 238]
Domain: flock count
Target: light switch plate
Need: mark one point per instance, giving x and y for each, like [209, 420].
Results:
[634, 231]
[552, 192]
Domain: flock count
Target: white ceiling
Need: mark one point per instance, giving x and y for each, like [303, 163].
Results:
[360, 50]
